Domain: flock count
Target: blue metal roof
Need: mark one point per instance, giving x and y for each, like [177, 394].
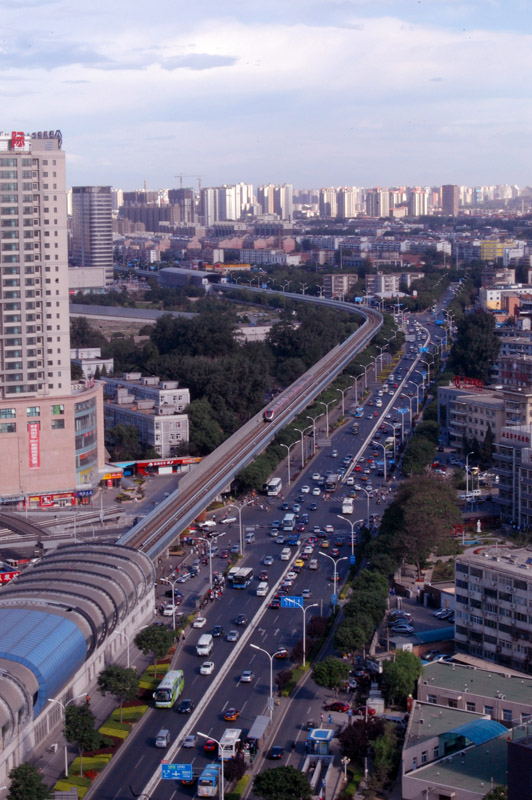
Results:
[436, 635]
[480, 730]
[52, 647]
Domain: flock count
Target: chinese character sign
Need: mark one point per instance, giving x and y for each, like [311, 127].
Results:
[34, 445]
[17, 140]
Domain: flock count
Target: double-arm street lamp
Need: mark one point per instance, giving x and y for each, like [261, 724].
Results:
[288, 448]
[375, 443]
[335, 573]
[64, 707]
[302, 432]
[352, 524]
[240, 534]
[208, 543]
[271, 656]
[172, 583]
[304, 609]
[365, 367]
[330, 403]
[313, 420]
[355, 386]
[343, 393]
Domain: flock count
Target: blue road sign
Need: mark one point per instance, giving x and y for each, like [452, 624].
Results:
[176, 772]
[334, 599]
[423, 349]
[292, 601]
[352, 559]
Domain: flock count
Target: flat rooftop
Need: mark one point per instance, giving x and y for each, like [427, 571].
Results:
[498, 558]
[428, 720]
[484, 682]
[471, 770]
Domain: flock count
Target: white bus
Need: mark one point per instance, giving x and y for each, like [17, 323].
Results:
[289, 522]
[230, 743]
[274, 487]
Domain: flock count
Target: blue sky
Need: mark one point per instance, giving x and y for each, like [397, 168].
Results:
[312, 92]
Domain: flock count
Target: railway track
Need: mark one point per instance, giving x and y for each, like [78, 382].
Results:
[196, 489]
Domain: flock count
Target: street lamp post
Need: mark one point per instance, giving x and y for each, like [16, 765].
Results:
[409, 401]
[367, 502]
[208, 543]
[402, 412]
[271, 656]
[240, 534]
[335, 562]
[355, 378]
[302, 432]
[330, 403]
[352, 524]
[374, 443]
[345, 762]
[393, 430]
[285, 284]
[172, 584]
[64, 707]
[418, 386]
[381, 351]
[314, 431]
[423, 376]
[304, 287]
[343, 392]
[288, 448]
[429, 365]
[222, 784]
[304, 610]
[365, 367]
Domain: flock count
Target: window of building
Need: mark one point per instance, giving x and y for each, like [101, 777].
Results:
[58, 409]
[507, 714]
[488, 710]
[58, 424]
[436, 752]
[33, 411]
[7, 413]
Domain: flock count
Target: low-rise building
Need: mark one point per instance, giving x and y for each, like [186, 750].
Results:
[338, 285]
[90, 360]
[155, 407]
[463, 413]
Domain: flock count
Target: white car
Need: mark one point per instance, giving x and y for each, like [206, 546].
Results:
[334, 454]
[247, 676]
[208, 523]
[308, 549]
[190, 741]
[199, 622]
[168, 611]
[226, 520]
[316, 476]
[350, 481]
[207, 668]
[305, 489]
[316, 491]
[329, 528]
[291, 576]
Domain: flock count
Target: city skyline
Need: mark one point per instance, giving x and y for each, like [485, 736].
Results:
[314, 93]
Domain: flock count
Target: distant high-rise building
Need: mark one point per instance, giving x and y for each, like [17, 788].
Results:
[378, 203]
[92, 229]
[418, 203]
[51, 432]
[327, 203]
[347, 202]
[184, 199]
[449, 200]
[283, 201]
[265, 198]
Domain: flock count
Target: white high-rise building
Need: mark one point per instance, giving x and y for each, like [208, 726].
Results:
[327, 203]
[283, 201]
[378, 202]
[51, 432]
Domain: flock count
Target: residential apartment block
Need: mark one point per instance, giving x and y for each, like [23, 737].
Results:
[513, 462]
[463, 413]
[493, 605]
[338, 285]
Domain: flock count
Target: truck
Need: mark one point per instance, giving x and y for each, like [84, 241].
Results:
[289, 522]
[354, 428]
[348, 505]
[258, 731]
[205, 645]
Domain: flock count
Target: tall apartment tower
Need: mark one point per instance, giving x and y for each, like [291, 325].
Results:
[50, 442]
[328, 203]
[92, 230]
[378, 203]
[449, 200]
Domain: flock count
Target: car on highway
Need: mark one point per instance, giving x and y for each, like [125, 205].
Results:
[308, 549]
[329, 528]
[210, 746]
[316, 476]
[190, 741]
[335, 552]
[285, 507]
[334, 454]
[207, 668]
[231, 714]
[247, 676]
[306, 594]
[227, 520]
[313, 564]
[276, 752]
[235, 548]
[199, 622]
[350, 481]
[275, 603]
[282, 652]
[337, 706]
[232, 636]
[316, 491]
[268, 561]
[263, 575]
[305, 489]
[313, 506]
[217, 631]
[324, 544]
[241, 620]
[301, 527]
[185, 707]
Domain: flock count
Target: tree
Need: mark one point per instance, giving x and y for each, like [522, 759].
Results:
[476, 346]
[332, 672]
[234, 769]
[355, 738]
[282, 783]
[486, 451]
[283, 678]
[497, 793]
[205, 433]
[79, 730]
[155, 640]
[123, 442]
[399, 677]
[27, 784]
[122, 682]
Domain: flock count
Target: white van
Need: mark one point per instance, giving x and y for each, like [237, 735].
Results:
[250, 537]
[313, 563]
[285, 554]
[205, 645]
[163, 738]
[262, 589]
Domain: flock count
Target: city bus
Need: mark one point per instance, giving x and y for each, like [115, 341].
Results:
[242, 578]
[274, 487]
[230, 743]
[289, 522]
[208, 781]
[359, 411]
[331, 482]
[169, 689]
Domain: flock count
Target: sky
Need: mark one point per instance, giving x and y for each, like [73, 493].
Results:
[309, 92]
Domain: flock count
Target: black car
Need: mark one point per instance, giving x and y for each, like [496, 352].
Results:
[275, 603]
[185, 707]
[217, 631]
[285, 507]
[241, 620]
[276, 752]
[313, 506]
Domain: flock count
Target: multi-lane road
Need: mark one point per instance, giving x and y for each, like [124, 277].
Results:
[138, 765]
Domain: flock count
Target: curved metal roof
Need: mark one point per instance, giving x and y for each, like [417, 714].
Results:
[56, 613]
[480, 730]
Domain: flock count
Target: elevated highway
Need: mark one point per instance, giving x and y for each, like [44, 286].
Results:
[155, 532]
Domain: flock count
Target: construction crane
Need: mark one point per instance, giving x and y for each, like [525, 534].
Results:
[181, 176]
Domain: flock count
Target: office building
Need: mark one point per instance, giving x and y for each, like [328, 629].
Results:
[492, 606]
[449, 200]
[51, 432]
[92, 230]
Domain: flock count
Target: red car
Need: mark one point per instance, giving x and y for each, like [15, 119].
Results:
[358, 468]
[210, 746]
[361, 711]
[337, 706]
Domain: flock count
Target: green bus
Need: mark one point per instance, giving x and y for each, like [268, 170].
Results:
[169, 689]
